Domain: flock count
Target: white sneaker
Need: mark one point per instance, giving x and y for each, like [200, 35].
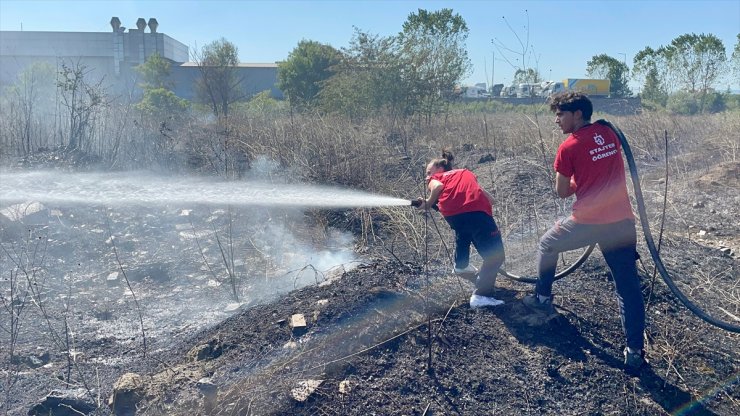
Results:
[466, 271]
[478, 301]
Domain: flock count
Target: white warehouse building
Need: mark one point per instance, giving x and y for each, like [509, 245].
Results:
[112, 56]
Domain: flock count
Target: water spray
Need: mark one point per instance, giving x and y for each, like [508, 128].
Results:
[115, 189]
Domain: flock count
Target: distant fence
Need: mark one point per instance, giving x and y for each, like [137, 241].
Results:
[613, 106]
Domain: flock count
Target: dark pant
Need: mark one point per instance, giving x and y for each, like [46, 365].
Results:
[480, 229]
[617, 242]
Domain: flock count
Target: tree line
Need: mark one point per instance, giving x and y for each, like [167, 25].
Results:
[413, 75]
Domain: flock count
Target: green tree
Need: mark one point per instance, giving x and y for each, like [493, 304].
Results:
[697, 61]
[155, 72]
[162, 103]
[653, 90]
[434, 57]
[158, 100]
[302, 74]
[367, 80]
[219, 84]
[528, 76]
[606, 67]
[654, 63]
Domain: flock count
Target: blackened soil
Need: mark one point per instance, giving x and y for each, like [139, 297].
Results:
[397, 337]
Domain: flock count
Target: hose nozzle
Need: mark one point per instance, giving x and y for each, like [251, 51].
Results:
[416, 203]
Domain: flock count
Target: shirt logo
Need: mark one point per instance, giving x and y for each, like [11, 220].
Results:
[599, 139]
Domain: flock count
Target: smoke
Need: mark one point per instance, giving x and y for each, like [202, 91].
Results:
[190, 260]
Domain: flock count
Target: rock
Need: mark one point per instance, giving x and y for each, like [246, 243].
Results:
[212, 349]
[297, 321]
[210, 393]
[32, 361]
[486, 158]
[26, 213]
[15, 220]
[345, 386]
[305, 389]
[699, 204]
[298, 324]
[726, 251]
[232, 307]
[157, 272]
[128, 391]
[112, 279]
[65, 402]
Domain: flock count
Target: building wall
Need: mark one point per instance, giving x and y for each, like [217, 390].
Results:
[255, 78]
[112, 56]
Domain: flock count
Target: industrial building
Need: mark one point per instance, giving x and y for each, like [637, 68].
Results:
[112, 56]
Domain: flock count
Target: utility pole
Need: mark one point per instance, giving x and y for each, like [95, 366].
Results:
[625, 58]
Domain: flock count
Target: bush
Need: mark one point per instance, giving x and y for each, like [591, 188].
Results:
[683, 103]
[687, 103]
[732, 101]
[162, 102]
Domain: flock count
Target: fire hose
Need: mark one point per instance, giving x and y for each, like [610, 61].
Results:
[654, 254]
[651, 243]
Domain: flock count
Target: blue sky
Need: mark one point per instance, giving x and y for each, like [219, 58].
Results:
[563, 34]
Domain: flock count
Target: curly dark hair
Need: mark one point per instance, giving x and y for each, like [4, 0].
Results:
[572, 101]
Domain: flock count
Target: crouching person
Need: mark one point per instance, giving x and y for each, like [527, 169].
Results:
[467, 208]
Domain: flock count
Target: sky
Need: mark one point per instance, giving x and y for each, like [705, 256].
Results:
[563, 35]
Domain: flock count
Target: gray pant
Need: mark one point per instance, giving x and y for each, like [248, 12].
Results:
[481, 230]
[617, 242]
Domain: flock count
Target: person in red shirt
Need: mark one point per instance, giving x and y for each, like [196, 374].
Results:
[467, 209]
[589, 164]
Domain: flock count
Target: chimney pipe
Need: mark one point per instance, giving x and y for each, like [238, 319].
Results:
[115, 23]
[153, 25]
[141, 24]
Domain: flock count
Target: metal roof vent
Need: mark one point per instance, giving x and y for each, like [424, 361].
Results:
[153, 25]
[141, 23]
[115, 23]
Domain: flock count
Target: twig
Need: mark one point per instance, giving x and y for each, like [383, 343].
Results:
[128, 284]
[662, 223]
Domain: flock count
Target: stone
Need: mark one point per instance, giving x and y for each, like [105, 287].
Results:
[297, 321]
[64, 402]
[305, 389]
[128, 391]
[345, 386]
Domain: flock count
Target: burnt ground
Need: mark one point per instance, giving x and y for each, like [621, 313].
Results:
[392, 336]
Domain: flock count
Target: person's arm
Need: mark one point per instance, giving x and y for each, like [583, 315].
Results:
[564, 185]
[435, 189]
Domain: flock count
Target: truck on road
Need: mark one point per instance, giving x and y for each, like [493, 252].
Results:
[592, 87]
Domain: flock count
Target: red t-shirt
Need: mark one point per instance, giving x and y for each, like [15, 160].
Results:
[592, 157]
[461, 193]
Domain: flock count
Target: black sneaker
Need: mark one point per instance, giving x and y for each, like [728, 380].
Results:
[533, 302]
[634, 362]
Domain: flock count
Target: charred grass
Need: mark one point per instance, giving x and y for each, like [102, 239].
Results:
[395, 335]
